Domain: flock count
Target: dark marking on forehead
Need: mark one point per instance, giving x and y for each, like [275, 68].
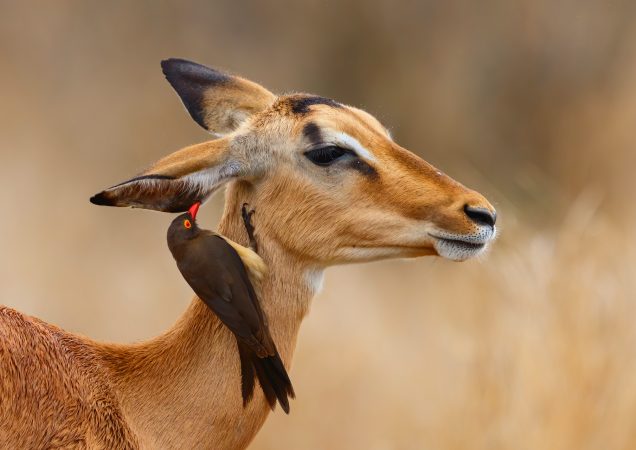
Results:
[300, 105]
[312, 132]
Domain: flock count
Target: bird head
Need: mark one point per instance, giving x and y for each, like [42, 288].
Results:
[184, 226]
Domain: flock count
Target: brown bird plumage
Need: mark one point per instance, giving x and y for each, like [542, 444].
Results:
[218, 275]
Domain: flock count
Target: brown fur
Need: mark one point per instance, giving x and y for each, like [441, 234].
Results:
[55, 392]
[182, 389]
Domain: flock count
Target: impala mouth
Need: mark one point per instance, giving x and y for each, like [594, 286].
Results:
[460, 243]
[461, 247]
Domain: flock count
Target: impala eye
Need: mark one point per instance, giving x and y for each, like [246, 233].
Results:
[325, 156]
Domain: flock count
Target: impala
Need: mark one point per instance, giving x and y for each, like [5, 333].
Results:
[329, 186]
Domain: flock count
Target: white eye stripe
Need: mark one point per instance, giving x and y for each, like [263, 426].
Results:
[346, 141]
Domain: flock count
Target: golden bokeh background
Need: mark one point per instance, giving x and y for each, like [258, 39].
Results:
[532, 103]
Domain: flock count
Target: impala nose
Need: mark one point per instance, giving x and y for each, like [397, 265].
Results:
[481, 216]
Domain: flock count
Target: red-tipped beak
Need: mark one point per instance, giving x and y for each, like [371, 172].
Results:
[194, 209]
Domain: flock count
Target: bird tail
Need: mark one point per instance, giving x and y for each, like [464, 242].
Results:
[271, 374]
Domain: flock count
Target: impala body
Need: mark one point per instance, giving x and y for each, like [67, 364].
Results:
[329, 186]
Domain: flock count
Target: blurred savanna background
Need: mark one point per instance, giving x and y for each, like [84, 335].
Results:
[532, 103]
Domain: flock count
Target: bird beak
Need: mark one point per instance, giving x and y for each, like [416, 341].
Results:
[194, 209]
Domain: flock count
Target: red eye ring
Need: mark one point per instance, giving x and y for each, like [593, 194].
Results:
[187, 224]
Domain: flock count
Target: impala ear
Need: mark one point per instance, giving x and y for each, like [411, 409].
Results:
[217, 101]
[179, 180]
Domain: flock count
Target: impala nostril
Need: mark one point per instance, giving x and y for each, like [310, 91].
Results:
[481, 216]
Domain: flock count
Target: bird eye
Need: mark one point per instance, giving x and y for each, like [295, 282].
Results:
[326, 156]
[187, 224]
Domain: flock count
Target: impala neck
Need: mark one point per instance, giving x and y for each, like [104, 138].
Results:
[182, 389]
[288, 289]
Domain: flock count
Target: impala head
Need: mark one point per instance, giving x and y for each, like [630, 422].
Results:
[327, 180]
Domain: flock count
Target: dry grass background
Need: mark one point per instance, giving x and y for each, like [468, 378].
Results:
[532, 102]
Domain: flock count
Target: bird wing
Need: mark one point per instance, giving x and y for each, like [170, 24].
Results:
[216, 273]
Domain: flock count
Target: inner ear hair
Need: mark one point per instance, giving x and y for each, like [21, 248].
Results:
[179, 180]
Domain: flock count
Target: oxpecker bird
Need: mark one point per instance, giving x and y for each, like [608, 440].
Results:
[218, 271]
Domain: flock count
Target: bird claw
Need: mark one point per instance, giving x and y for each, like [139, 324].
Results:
[249, 226]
